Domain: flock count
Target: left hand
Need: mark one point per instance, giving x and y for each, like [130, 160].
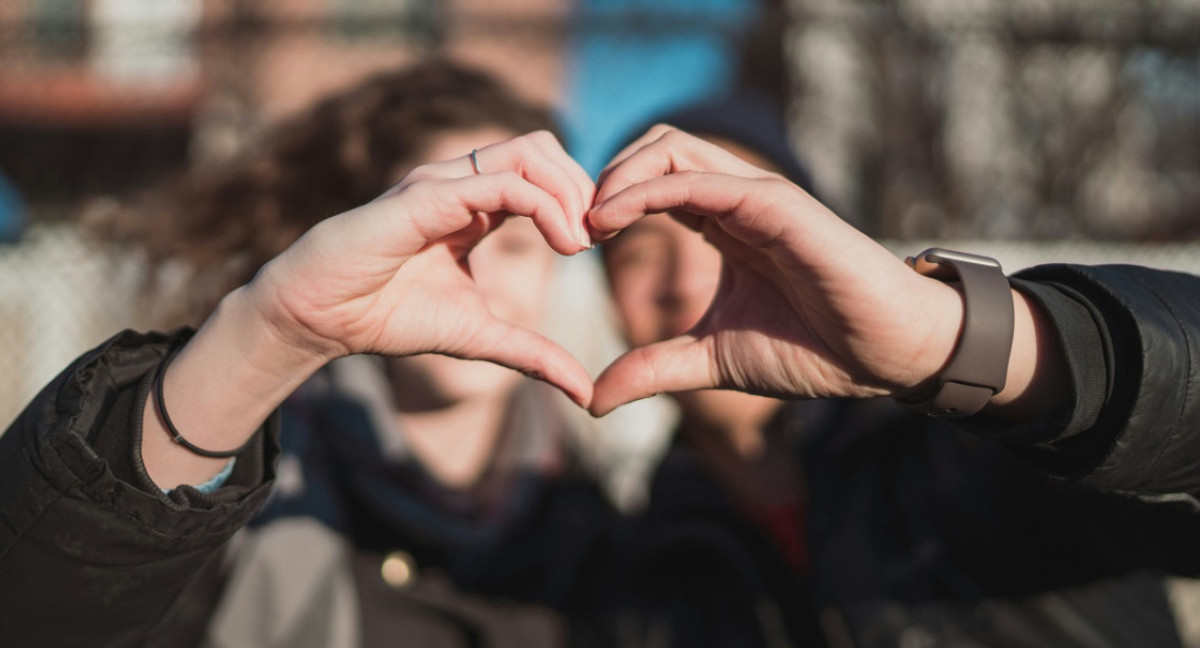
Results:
[391, 277]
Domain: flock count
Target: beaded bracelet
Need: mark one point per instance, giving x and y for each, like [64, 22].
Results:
[166, 418]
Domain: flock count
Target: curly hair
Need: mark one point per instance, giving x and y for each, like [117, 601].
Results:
[224, 224]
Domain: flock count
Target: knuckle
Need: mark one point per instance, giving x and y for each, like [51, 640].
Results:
[528, 143]
[660, 129]
[420, 187]
[778, 185]
[674, 136]
[544, 136]
[419, 174]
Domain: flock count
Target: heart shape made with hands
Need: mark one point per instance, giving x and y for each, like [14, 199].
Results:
[788, 319]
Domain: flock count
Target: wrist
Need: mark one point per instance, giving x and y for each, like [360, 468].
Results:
[978, 367]
[220, 388]
[274, 350]
[1038, 381]
[263, 307]
[943, 312]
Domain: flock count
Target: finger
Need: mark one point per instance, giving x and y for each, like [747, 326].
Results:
[553, 149]
[742, 206]
[672, 152]
[680, 364]
[653, 134]
[454, 203]
[539, 158]
[533, 355]
[587, 188]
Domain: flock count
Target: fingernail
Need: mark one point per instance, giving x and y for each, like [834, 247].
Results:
[582, 235]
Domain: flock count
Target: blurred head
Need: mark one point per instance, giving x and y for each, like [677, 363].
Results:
[663, 275]
[226, 222]
[513, 267]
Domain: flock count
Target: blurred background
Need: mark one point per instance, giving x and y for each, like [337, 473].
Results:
[1065, 130]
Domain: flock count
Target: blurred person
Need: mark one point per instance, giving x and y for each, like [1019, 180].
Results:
[417, 497]
[855, 522]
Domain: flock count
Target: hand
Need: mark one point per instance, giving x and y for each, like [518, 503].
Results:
[392, 278]
[807, 306]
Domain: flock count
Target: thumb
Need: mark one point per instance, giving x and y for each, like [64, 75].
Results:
[679, 364]
[533, 355]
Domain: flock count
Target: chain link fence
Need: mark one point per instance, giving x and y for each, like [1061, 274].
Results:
[58, 297]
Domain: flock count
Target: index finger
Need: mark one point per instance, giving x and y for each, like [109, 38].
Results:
[537, 158]
[664, 150]
[673, 152]
[554, 150]
[652, 135]
[532, 354]
[727, 198]
[550, 145]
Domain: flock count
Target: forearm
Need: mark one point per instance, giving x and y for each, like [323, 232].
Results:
[220, 388]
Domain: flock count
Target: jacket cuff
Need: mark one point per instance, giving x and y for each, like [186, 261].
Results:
[251, 467]
[79, 443]
[84, 552]
[1143, 438]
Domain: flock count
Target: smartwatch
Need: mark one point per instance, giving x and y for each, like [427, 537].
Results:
[979, 366]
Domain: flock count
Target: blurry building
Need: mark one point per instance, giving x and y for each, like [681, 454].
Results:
[1033, 119]
[102, 96]
[93, 95]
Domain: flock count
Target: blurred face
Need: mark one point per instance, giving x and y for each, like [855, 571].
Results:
[513, 267]
[663, 276]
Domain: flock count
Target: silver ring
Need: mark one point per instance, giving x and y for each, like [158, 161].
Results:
[475, 162]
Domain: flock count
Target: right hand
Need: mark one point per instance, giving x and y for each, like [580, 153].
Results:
[391, 277]
[807, 306]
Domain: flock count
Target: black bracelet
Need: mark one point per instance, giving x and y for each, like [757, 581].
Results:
[166, 419]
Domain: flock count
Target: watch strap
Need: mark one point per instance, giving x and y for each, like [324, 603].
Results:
[979, 367]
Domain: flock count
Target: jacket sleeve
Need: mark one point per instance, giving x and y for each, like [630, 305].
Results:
[91, 552]
[1131, 336]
